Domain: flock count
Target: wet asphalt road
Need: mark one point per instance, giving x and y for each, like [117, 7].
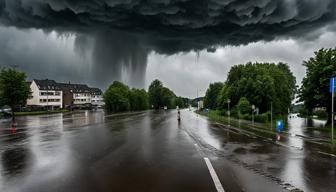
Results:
[151, 151]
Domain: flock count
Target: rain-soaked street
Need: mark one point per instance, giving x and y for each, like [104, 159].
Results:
[151, 151]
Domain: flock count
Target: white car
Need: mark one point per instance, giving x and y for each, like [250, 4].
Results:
[5, 110]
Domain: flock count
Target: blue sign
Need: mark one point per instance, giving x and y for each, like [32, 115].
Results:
[332, 82]
[279, 126]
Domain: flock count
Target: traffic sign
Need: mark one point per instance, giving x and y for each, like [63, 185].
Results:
[332, 84]
[279, 125]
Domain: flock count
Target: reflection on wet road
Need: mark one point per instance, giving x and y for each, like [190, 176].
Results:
[151, 151]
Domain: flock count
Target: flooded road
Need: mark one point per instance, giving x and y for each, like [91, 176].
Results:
[151, 151]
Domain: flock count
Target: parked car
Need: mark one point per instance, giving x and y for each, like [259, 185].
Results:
[6, 110]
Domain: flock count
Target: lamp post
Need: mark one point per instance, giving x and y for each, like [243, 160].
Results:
[271, 116]
[253, 107]
[229, 101]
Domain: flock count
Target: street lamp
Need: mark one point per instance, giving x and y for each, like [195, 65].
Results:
[253, 108]
[229, 101]
[271, 116]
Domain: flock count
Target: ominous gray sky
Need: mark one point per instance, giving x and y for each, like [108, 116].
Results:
[98, 41]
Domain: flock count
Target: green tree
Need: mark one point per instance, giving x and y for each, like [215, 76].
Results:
[138, 99]
[160, 96]
[315, 86]
[168, 98]
[244, 106]
[155, 94]
[223, 97]
[210, 100]
[261, 84]
[116, 97]
[181, 102]
[13, 89]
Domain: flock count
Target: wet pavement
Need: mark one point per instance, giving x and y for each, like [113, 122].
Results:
[151, 151]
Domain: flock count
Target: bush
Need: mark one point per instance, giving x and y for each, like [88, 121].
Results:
[321, 114]
[244, 106]
[246, 117]
[262, 118]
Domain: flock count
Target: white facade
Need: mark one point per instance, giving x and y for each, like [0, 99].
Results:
[81, 98]
[52, 98]
[97, 100]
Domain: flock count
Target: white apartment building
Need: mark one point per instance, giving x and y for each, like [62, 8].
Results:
[81, 98]
[97, 97]
[45, 93]
[49, 93]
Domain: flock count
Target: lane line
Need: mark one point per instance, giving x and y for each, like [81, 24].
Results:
[212, 171]
[214, 176]
[323, 153]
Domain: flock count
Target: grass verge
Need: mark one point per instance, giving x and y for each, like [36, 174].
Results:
[40, 112]
[242, 124]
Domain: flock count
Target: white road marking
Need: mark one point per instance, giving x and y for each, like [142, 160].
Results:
[214, 176]
[323, 153]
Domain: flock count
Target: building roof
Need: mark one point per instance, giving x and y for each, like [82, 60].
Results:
[96, 91]
[47, 84]
[74, 88]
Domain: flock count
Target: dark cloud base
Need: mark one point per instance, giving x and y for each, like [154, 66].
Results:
[125, 31]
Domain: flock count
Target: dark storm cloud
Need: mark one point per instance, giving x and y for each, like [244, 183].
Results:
[125, 31]
[177, 25]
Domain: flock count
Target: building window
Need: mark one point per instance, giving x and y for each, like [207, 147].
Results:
[42, 93]
[43, 100]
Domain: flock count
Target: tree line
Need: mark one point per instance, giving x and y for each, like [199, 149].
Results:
[264, 85]
[269, 84]
[314, 91]
[120, 98]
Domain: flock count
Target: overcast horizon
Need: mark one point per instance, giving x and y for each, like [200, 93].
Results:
[184, 73]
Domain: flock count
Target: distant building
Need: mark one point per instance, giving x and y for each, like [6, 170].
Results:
[200, 105]
[75, 94]
[63, 95]
[45, 93]
[97, 97]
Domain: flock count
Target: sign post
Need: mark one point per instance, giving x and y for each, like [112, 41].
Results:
[279, 129]
[332, 90]
[280, 126]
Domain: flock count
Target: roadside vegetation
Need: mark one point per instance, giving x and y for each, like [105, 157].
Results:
[315, 86]
[41, 112]
[120, 98]
[14, 90]
[253, 88]
[239, 123]
[265, 89]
